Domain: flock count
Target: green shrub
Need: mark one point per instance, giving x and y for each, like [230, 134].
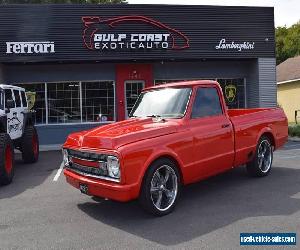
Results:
[294, 130]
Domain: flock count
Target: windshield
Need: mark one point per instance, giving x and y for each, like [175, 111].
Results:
[1, 99]
[167, 103]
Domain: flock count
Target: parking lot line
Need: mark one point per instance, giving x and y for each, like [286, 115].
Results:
[58, 172]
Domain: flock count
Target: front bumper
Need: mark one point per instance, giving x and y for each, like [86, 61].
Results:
[101, 188]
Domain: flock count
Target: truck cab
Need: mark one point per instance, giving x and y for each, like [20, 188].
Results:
[17, 130]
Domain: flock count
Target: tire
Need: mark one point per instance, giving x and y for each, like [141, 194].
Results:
[155, 179]
[261, 164]
[7, 162]
[30, 145]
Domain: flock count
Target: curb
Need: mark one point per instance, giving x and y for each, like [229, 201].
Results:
[51, 147]
[294, 139]
[45, 148]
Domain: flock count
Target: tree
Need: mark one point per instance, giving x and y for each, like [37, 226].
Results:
[287, 42]
[61, 1]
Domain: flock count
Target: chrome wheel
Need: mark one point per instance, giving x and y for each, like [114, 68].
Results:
[164, 188]
[265, 156]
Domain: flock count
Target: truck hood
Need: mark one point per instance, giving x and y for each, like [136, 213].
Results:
[117, 134]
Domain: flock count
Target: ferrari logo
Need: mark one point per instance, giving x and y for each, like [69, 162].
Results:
[31, 99]
[230, 92]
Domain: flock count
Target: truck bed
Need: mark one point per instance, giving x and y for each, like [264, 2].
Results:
[240, 112]
[250, 124]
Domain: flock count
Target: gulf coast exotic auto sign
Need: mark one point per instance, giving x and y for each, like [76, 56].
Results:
[102, 34]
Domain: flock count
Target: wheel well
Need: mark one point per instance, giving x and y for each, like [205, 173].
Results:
[171, 159]
[271, 137]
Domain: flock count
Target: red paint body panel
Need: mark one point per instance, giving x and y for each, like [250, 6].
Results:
[201, 147]
[100, 188]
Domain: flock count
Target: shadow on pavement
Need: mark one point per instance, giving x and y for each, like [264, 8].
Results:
[206, 206]
[31, 175]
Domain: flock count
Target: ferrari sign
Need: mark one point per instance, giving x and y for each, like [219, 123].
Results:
[30, 47]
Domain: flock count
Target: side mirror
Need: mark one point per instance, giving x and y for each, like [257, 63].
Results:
[10, 104]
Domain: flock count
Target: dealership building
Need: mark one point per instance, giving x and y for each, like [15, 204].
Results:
[85, 65]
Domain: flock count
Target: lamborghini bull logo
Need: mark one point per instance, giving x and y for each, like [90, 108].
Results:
[230, 92]
[30, 99]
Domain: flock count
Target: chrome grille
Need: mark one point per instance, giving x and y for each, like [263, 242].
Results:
[87, 170]
[100, 159]
[87, 155]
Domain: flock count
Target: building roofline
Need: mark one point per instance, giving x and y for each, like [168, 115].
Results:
[288, 81]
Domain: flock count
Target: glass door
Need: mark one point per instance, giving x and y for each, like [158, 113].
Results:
[132, 92]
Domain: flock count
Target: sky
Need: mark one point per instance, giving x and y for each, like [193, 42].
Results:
[287, 12]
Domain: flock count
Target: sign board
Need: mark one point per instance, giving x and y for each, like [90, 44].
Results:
[64, 33]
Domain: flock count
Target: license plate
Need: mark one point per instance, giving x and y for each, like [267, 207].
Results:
[83, 188]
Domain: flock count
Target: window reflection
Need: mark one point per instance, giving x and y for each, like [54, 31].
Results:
[71, 102]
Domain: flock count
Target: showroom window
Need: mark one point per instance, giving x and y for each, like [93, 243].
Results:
[63, 102]
[98, 101]
[35, 93]
[233, 90]
[72, 102]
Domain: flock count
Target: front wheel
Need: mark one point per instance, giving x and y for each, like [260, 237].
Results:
[161, 188]
[30, 145]
[262, 162]
[6, 159]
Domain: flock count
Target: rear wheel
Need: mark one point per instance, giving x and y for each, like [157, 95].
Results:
[6, 159]
[30, 145]
[161, 188]
[262, 162]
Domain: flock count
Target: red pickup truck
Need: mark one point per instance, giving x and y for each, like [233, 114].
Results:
[177, 134]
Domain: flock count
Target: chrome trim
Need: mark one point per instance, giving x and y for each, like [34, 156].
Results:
[187, 103]
[82, 159]
[164, 183]
[93, 176]
[89, 152]
[265, 156]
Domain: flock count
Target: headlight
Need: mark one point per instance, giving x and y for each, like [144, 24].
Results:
[113, 167]
[65, 157]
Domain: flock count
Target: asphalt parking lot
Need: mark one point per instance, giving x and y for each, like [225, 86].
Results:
[37, 212]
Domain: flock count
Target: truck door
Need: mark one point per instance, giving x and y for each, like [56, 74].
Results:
[15, 116]
[212, 133]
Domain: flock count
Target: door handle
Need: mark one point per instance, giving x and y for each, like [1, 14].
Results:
[225, 125]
